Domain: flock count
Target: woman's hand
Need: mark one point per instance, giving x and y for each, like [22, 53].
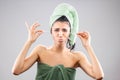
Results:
[33, 33]
[85, 38]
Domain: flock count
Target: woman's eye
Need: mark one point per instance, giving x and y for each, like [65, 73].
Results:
[64, 30]
[56, 30]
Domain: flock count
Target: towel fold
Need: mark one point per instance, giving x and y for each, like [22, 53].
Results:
[58, 72]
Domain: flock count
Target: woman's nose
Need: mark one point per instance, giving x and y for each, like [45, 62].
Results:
[60, 33]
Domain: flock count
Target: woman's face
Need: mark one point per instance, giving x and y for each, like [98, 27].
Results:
[60, 32]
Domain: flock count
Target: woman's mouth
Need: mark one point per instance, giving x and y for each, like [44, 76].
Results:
[60, 40]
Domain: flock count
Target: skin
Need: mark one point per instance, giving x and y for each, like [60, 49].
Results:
[58, 53]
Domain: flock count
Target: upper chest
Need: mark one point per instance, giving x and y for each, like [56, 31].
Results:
[52, 58]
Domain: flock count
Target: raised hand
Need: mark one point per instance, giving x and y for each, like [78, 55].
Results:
[33, 33]
[85, 38]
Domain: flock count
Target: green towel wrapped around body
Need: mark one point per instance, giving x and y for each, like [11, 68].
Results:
[59, 72]
[67, 10]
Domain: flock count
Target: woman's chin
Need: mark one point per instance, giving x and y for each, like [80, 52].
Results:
[61, 43]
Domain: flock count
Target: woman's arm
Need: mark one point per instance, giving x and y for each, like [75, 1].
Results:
[22, 63]
[92, 67]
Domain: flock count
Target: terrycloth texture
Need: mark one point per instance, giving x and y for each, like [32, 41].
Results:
[59, 72]
[71, 14]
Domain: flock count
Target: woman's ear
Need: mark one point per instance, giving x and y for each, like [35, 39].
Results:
[51, 30]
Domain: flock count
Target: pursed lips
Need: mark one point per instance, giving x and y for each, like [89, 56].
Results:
[60, 39]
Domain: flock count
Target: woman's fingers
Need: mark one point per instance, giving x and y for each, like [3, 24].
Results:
[35, 25]
[83, 35]
[85, 38]
[33, 32]
[28, 27]
[38, 33]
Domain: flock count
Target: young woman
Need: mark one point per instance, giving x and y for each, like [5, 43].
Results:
[59, 61]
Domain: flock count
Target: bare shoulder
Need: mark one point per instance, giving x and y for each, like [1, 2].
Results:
[40, 48]
[78, 54]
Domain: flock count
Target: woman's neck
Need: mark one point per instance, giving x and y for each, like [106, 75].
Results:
[59, 48]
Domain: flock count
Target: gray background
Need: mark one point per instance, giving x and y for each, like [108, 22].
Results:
[101, 18]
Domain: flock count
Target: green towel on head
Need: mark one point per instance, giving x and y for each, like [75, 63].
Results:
[71, 14]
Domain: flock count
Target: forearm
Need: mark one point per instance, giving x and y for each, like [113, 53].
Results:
[96, 67]
[19, 63]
